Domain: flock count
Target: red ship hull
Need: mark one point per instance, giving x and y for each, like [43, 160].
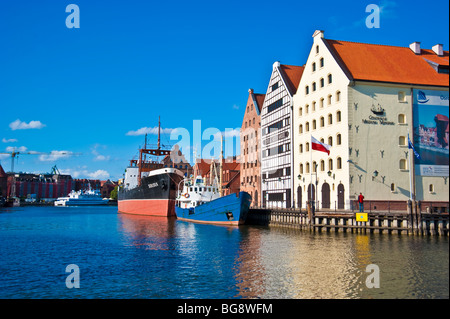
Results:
[148, 207]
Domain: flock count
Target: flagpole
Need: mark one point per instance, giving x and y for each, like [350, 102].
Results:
[410, 172]
[310, 171]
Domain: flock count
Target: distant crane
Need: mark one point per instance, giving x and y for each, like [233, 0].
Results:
[15, 154]
[55, 170]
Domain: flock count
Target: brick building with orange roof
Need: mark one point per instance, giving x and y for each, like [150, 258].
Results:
[230, 173]
[250, 158]
[365, 100]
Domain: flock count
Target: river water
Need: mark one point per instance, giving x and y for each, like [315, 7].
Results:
[127, 257]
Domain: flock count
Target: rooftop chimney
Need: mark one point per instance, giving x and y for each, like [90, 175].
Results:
[438, 49]
[415, 47]
[318, 33]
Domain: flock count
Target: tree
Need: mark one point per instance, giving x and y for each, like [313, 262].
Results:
[113, 194]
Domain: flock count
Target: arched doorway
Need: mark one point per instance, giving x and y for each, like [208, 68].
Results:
[312, 189]
[325, 195]
[299, 197]
[340, 196]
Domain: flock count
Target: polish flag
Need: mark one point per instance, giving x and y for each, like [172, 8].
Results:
[318, 146]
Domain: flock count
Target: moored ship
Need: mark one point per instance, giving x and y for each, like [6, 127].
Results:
[149, 188]
[88, 197]
[200, 203]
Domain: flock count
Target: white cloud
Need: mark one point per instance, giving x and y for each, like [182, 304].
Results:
[150, 130]
[10, 140]
[19, 125]
[236, 107]
[99, 174]
[55, 155]
[84, 173]
[228, 133]
[16, 149]
[98, 156]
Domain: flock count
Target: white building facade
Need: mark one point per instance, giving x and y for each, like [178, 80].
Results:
[276, 136]
[359, 98]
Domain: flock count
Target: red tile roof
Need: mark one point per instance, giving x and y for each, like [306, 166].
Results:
[292, 75]
[2, 172]
[259, 100]
[383, 63]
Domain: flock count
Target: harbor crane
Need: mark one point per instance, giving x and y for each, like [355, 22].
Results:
[15, 154]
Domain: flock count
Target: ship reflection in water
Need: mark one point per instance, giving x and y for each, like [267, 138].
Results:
[133, 256]
[206, 261]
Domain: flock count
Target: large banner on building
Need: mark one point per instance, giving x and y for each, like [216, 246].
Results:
[431, 139]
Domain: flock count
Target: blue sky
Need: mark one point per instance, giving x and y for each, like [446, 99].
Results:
[91, 90]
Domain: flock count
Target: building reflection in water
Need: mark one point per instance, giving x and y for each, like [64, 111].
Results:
[287, 263]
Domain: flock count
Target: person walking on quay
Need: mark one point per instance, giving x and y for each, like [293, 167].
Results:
[361, 202]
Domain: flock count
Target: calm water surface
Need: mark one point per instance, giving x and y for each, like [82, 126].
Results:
[125, 256]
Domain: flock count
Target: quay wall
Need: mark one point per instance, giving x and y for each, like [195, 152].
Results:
[416, 223]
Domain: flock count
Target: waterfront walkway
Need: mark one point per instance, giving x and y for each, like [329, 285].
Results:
[411, 222]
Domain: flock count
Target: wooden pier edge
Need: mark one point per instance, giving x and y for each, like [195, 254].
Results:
[405, 223]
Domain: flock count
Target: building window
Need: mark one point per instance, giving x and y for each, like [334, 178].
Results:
[307, 127]
[306, 147]
[322, 121]
[313, 109]
[300, 129]
[431, 188]
[322, 166]
[322, 102]
[307, 167]
[402, 140]
[338, 139]
[330, 79]
[338, 116]
[401, 119]
[322, 63]
[300, 111]
[402, 164]
[322, 82]
[392, 187]
[329, 99]
[314, 124]
[330, 140]
[314, 86]
[330, 119]
[317, 49]
[275, 86]
[401, 96]
[301, 148]
[307, 90]
[330, 164]
[301, 168]
[339, 163]
[314, 67]
[275, 105]
[338, 96]
[307, 109]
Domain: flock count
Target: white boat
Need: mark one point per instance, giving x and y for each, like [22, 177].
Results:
[82, 198]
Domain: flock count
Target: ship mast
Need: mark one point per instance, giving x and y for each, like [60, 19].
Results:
[221, 161]
[156, 152]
